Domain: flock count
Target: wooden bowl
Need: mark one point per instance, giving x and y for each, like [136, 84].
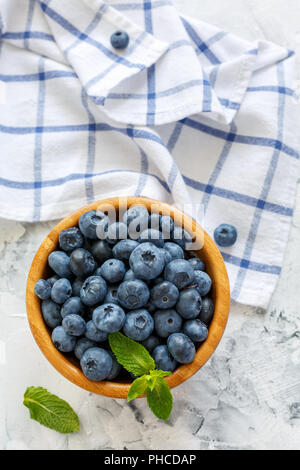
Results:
[67, 365]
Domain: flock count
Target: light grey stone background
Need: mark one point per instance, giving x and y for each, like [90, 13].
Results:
[246, 397]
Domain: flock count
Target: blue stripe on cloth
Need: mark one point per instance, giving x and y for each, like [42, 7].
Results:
[201, 45]
[38, 76]
[89, 189]
[252, 265]
[277, 89]
[27, 35]
[84, 37]
[265, 189]
[170, 146]
[241, 139]
[151, 105]
[139, 6]
[29, 22]
[38, 144]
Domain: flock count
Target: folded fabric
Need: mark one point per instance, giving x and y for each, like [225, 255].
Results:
[186, 113]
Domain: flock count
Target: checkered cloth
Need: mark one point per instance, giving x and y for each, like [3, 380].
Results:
[185, 114]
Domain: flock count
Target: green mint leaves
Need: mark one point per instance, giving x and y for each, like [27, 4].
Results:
[137, 360]
[51, 411]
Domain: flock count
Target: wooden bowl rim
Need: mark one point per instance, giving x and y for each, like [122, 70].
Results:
[117, 389]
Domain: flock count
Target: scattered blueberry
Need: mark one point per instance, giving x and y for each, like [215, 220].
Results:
[74, 325]
[179, 272]
[94, 334]
[225, 235]
[167, 322]
[152, 236]
[83, 344]
[147, 261]
[113, 270]
[207, 311]
[82, 263]
[164, 295]
[51, 313]
[61, 291]
[196, 330]
[163, 359]
[93, 290]
[138, 325]
[90, 222]
[175, 250]
[70, 239]
[181, 348]
[123, 249]
[59, 261]
[189, 304]
[197, 264]
[133, 294]
[96, 364]
[62, 341]
[109, 318]
[202, 282]
[72, 306]
[43, 289]
[119, 39]
[151, 342]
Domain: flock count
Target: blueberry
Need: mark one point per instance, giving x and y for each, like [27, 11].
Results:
[109, 318]
[101, 250]
[72, 306]
[113, 270]
[133, 294]
[175, 250]
[150, 307]
[155, 221]
[51, 313]
[152, 236]
[197, 264]
[83, 344]
[189, 304]
[164, 295]
[123, 249]
[119, 39]
[59, 261]
[94, 334]
[147, 261]
[138, 325]
[167, 256]
[151, 343]
[62, 341]
[61, 291]
[93, 290]
[196, 330]
[74, 325]
[202, 282]
[163, 359]
[93, 222]
[82, 263]
[96, 364]
[182, 237]
[76, 286]
[167, 226]
[116, 367]
[207, 311]
[179, 272]
[112, 296]
[129, 275]
[181, 348]
[52, 280]
[70, 239]
[167, 322]
[43, 289]
[136, 219]
[225, 235]
[116, 231]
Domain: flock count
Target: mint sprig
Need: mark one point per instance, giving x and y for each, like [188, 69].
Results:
[137, 360]
[51, 411]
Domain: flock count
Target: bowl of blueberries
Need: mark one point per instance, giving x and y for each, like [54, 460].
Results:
[131, 265]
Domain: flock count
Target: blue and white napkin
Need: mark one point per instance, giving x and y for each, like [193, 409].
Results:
[186, 114]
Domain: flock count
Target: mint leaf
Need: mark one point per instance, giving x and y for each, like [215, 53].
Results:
[131, 355]
[160, 373]
[160, 399]
[51, 411]
[137, 388]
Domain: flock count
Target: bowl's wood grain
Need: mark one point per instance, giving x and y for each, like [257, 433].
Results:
[69, 368]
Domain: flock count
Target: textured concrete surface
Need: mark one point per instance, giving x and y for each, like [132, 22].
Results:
[246, 397]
